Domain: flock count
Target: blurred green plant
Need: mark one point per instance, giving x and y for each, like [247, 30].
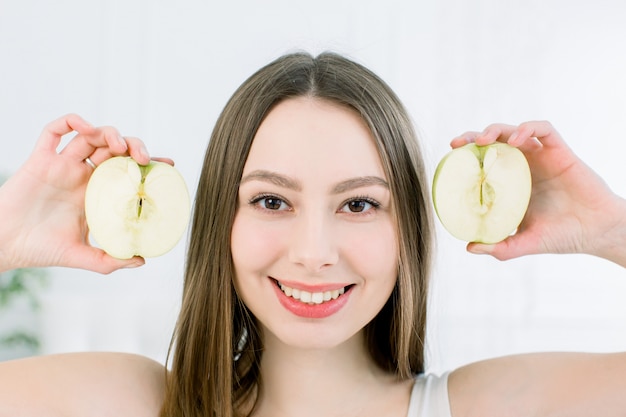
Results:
[21, 286]
[20, 290]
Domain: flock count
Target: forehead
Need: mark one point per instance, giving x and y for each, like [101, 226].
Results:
[307, 135]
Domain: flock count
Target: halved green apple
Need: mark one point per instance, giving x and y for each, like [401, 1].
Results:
[481, 193]
[133, 209]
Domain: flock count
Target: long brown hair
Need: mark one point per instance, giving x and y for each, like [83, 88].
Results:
[216, 348]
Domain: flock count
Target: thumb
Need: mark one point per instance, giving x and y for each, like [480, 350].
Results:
[97, 260]
[512, 247]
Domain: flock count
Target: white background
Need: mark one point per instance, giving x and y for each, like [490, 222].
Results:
[162, 70]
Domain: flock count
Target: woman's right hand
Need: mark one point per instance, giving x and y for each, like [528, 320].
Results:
[571, 210]
[42, 217]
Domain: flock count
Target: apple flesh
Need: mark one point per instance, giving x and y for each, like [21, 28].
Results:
[136, 210]
[481, 193]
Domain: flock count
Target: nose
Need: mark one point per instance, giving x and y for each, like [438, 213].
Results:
[313, 242]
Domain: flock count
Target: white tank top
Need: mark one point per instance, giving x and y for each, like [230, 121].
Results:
[429, 397]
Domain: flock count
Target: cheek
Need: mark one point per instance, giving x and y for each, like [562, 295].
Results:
[253, 245]
[374, 252]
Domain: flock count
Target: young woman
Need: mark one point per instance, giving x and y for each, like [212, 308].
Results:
[308, 265]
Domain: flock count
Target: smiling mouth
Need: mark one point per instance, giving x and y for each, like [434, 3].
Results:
[312, 298]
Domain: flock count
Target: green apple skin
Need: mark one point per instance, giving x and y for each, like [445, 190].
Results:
[135, 210]
[481, 193]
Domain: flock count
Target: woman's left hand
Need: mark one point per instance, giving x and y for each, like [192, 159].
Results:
[571, 209]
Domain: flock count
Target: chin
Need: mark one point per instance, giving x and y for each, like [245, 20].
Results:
[309, 336]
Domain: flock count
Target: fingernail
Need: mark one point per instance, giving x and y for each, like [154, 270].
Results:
[481, 137]
[513, 139]
[479, 249]
[121, 140]
[137, 263]
[144, 152]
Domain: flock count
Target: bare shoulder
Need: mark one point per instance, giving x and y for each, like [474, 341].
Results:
[540, 384]
[491, 386]
[78, 384]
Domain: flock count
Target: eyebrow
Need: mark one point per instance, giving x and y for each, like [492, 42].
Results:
[272, 178]
[358, 182]
[286, 182]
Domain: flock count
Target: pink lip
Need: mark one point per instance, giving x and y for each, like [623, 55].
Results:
[312, 311]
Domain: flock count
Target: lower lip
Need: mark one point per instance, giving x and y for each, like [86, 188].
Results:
[311, 311]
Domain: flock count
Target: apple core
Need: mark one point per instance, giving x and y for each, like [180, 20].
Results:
[135, 210]
[481, 193]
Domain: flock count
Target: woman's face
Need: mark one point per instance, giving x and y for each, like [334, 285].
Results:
[313, 241]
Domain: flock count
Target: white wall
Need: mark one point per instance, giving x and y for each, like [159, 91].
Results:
[163, 70]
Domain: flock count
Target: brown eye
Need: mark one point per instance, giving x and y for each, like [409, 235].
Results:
[269, 202]
[357, 206]
[272, 203]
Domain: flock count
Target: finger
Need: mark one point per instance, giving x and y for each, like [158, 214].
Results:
[53, 132]
[137, 150]
[464, 139]
[495, 132]
[94, 259]
[166, 160]
[512, 247]
[521, 136]
[492, 133]
[494, 250]
[84, 145]
[543, 131]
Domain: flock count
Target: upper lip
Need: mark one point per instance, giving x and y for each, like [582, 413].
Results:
[310, 287]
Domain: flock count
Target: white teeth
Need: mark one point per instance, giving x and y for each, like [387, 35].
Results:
[317, 298]
[311, 297]
[305, 296]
